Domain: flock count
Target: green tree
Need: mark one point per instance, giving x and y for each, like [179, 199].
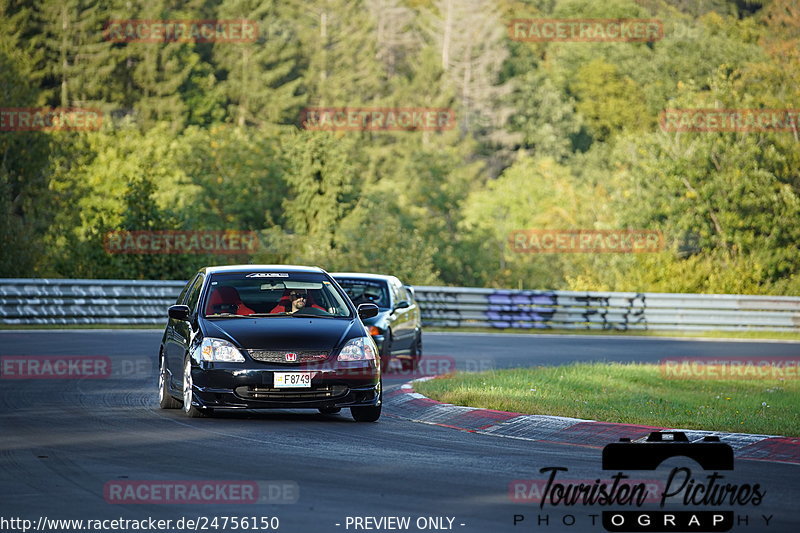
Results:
[23, 155]
[534, 193]
[112, 180]
[238, 175]
[163, 78]
[339, 41]
[78, 61]
[469, 38]
[263, 80]
[544, 116]
[609, 101]
[372, 237]
[321, 176]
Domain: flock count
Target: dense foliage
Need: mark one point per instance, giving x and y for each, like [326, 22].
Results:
[200, 135]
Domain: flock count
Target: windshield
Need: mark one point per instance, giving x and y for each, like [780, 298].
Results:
[267, 294]
[366, 291]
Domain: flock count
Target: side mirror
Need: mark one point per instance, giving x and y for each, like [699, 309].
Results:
[367, 311]
[179, 312]
[402, 305]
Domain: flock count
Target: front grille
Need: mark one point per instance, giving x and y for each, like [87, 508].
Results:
[324, 392]
[279, 356]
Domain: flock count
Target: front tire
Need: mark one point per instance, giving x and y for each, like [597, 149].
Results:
[165, 399]
[188, 393]
[386, 356]
[370, 413]
[416, 355]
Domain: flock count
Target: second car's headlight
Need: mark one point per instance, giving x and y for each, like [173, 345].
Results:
[358, 349]
[220, 351]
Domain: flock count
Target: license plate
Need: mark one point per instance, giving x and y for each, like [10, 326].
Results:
[288, 380]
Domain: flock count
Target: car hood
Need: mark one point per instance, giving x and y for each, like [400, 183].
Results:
[279, 333]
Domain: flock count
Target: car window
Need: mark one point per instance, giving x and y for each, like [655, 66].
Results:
[366, 291]
[194, 293]
[410, 292]
[182, 296]
[402, 295]
[397, 295]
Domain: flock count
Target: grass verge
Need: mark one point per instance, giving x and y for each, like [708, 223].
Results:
[629, 393]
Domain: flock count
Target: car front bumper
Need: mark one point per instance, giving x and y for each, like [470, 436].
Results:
[245, 386]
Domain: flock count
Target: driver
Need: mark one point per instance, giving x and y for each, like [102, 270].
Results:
[294, 300]
[298, 299]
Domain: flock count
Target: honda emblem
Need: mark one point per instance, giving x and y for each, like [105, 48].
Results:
[291, 357]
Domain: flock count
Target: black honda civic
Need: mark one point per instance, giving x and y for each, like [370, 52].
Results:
[266, 337]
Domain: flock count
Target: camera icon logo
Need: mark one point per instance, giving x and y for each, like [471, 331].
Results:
[710, 453]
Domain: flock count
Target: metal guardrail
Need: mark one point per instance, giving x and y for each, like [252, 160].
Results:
[81, 301]
[499, 308]
[65, 301]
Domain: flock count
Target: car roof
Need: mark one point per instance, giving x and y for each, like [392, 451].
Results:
[361, 275]
[223, 269]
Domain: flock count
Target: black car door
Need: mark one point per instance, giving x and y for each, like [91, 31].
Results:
[403, 318]
[182, 334]
[167, 341]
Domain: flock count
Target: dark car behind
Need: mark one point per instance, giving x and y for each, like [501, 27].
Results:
[397, 328]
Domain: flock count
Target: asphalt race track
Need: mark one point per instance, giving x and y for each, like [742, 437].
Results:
[65, 442]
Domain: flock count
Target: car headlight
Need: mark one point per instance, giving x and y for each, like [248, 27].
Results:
[220, 351]
[358, 349]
